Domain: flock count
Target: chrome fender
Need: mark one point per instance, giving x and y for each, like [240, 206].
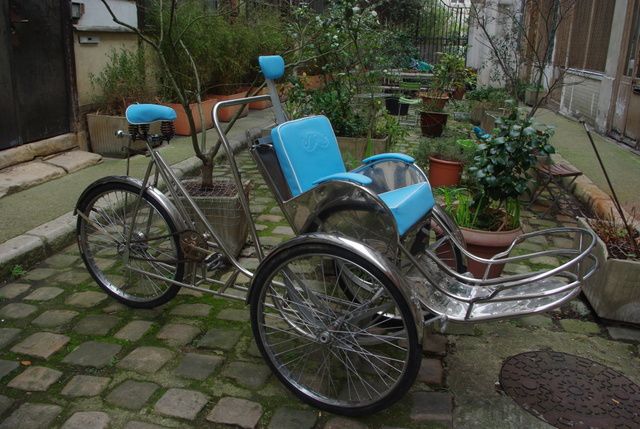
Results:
[151, 191]
[360, 249]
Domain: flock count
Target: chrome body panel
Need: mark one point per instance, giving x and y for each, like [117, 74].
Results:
[348, 209]
[391, 174]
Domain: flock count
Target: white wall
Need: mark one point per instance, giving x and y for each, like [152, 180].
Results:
[96, 23]
[478, 54]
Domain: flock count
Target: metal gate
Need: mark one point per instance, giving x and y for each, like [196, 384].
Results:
[442, 26]
[34, 82]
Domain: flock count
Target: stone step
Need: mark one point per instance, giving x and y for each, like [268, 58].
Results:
[32, 173]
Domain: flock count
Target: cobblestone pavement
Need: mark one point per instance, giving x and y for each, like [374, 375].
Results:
[72, 357]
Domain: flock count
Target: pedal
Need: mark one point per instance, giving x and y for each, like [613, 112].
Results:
[215, 261]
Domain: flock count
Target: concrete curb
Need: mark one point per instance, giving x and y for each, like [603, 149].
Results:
[45, 240]
[589, 193]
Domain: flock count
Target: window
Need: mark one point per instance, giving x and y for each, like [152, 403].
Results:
[590, 32]
[634, 39]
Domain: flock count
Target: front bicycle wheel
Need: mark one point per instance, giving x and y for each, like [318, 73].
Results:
[137, 274]
[350, 354]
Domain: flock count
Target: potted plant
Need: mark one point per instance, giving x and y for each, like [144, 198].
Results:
[483, 99]
[445, 158]
[122, 81]
[432, 118]
[498, 173]
[613, 290]
[532, 93]
[452, 75]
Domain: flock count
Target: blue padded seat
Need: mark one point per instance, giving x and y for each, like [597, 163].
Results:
[138, 114]
[308, 154]
[409, 204]
[308, 151]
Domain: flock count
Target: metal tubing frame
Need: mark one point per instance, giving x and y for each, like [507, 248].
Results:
[177, 190]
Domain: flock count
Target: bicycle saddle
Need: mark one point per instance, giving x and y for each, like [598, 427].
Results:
[138, 114]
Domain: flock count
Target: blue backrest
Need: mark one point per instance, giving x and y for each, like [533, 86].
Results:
[307, 150]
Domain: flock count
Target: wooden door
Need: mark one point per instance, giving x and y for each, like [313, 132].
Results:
[33, 70]
[626, 117]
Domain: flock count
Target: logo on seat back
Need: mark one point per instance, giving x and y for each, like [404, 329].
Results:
[314, 141]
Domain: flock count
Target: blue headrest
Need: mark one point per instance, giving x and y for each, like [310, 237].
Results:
[272, 66]
[146, 113]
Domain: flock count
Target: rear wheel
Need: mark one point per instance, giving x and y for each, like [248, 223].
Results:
[350, 355]
[136, 274]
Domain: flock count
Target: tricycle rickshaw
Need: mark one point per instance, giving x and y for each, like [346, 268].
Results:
[338, 311]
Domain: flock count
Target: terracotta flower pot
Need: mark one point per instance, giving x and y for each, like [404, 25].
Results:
[432, 123]
[487, 244]
[261, 105]
[434, 101]
[443, 172]
[315, 81]
[181, 123]
[458, 93]
[226, 113]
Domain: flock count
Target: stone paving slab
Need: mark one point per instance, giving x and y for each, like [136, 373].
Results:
[32, 416]
[132, 394]
[23, 176]
[290, 418]
[43, 294]
[177, 334]
[87, 419]
[7, 336]
[181, 403]
[13, 290]
[86, 299]
[221, 339]
[236, 412]
[93, 353]
[5, 403]
[17, 310]
[74, 160]
[134, 330]
[96, 324]
[198, 366]
[35, 379]
[7, 367]
[85, 385]
[53, 318]
[146, 359]
[41, 344]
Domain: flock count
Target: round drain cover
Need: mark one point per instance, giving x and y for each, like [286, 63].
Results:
[568, 391]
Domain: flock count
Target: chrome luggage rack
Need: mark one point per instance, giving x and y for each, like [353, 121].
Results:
[461, 297]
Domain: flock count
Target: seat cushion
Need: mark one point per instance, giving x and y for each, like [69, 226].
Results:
[146, 113]
[308, 151]
[409, 204]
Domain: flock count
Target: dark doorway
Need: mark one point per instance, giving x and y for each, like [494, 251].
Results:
[34, 82]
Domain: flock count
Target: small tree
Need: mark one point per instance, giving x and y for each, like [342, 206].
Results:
[525, 43]
[168, 42]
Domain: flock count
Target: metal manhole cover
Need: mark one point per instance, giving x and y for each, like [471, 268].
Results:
[568, 391]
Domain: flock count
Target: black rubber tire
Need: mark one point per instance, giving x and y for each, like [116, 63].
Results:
[100, 277]
[261, 280]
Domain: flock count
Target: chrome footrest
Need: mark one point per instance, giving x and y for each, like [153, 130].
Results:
[461, 297]
[509, 306]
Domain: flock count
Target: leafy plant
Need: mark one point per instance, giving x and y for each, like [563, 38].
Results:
[445, 148]
[121, 81]
[613, 233]
[500, 165]
[17, 271]
[451, 72]
[490, 94]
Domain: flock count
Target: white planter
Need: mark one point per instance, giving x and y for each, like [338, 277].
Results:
[614, 290]
[102, 133]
